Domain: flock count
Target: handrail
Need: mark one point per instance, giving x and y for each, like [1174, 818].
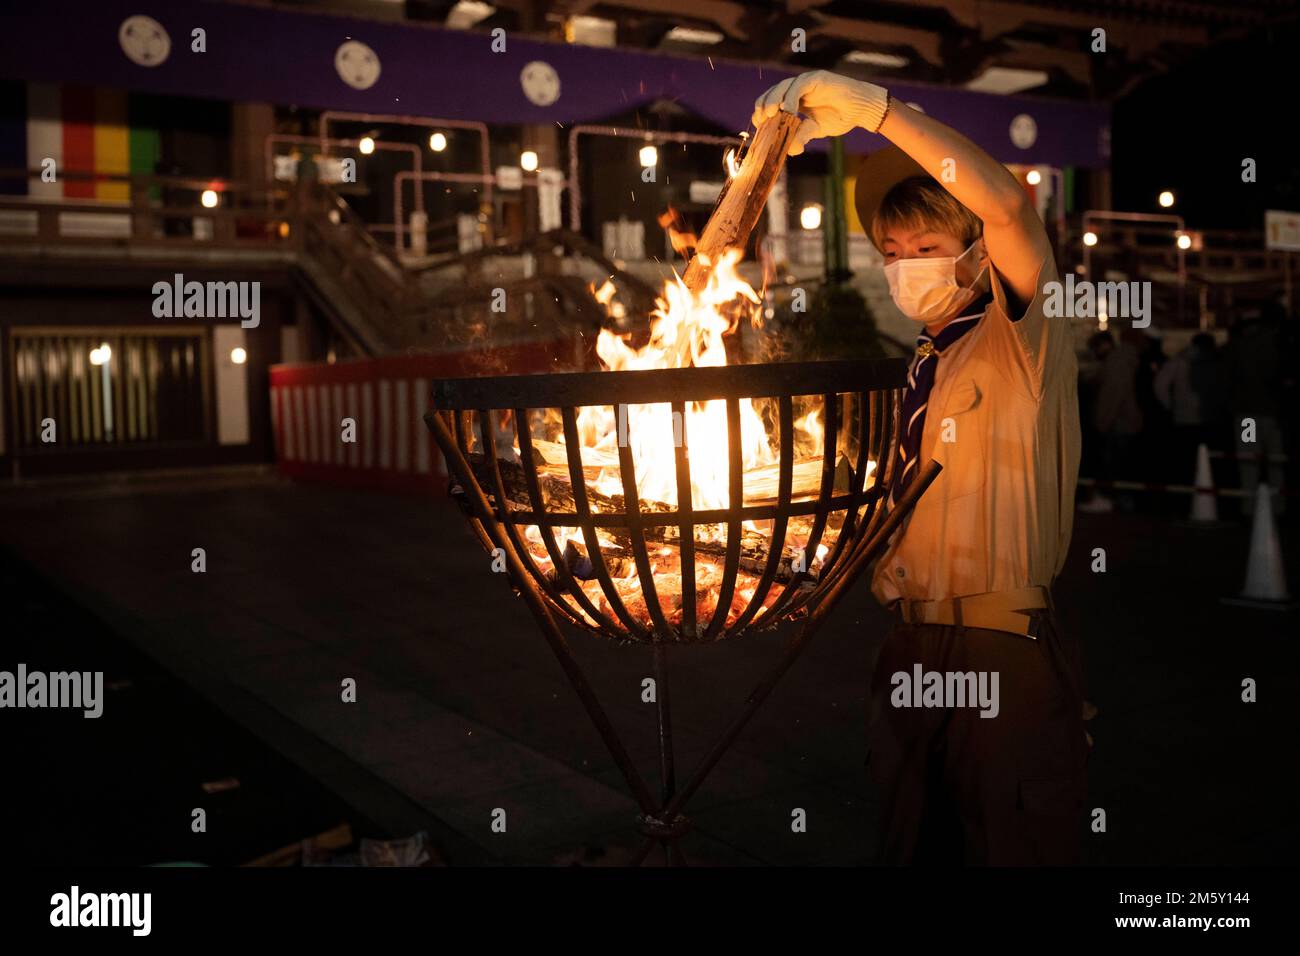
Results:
[197, 183]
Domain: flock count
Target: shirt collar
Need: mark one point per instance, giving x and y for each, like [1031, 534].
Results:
[950, 333]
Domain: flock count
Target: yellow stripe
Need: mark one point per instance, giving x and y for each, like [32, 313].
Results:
[112, 144]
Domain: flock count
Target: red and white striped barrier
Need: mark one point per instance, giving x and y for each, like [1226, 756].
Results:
[386, 399]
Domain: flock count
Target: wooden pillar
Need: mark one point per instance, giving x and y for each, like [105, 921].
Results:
[251, 124]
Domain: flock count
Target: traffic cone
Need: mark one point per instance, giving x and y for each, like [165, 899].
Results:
[1205, 507]
[1265, 580]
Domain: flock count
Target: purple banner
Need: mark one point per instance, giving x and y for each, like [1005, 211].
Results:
[266, 54]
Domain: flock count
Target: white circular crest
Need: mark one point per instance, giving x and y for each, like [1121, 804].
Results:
[540, 82]
[358, 65]
[1024, 131]
[143, 40]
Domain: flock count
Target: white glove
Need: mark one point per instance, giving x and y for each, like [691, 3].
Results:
[831, 104]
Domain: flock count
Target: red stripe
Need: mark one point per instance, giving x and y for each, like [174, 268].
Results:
[412, 432]
[392, 425]
[78, 140]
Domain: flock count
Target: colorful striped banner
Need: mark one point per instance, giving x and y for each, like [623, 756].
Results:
[83, 130]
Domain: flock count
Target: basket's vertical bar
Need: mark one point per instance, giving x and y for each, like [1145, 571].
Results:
[460, 419]
[735, 501]
[480, 532]
[875, 441]
[636, 529]
[891, 417]
[562, 572]
[488, 436]
[830, 449]
[686, 528]
[588, 527]
[865, 403]
[659, 654]
[667, 771]
[780, 514]
[790, 599]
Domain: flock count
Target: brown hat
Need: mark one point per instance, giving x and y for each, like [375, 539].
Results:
[877, 175]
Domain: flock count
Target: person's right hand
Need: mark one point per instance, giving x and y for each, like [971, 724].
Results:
[831, 104]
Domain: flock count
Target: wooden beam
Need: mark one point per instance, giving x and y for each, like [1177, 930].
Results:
[726, 15]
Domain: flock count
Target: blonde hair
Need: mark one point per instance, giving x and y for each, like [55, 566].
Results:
[919, 202]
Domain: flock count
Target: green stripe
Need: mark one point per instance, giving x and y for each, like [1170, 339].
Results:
[144, 146]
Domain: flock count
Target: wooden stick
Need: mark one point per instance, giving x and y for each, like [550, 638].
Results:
[743, 197]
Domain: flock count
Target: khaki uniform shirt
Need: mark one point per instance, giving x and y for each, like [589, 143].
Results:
[999, 515]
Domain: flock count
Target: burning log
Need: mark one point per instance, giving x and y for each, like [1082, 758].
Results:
[743, 197]
[762, 483]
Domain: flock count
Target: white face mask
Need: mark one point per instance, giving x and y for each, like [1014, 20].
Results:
[926, 290]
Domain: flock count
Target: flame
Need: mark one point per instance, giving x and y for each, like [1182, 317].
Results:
[605, 294]
[682, 239]
[811, 426]
[730, 164]
[687, 328]
[605, 297]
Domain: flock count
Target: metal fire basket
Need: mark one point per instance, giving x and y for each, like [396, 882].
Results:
[488, 429]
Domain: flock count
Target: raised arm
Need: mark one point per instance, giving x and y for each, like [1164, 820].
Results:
[832, 105]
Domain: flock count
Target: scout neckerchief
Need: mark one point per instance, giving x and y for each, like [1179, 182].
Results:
[920, 380]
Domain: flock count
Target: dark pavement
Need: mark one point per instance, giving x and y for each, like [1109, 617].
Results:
[461, 708]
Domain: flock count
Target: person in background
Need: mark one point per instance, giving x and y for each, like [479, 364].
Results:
[1116, 415]
[1154, 457]
[1192, 387]
[1256, 374]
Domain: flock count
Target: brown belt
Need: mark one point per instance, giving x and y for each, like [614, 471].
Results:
[1011, 611]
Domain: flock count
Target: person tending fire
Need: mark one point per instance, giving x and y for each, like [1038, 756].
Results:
[992, 395]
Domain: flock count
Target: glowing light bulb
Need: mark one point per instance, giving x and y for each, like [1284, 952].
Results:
[367, 145]
[1089, 238]
[238, 355]
[528, 161]
[209, 199]
[649, 156]
[1166, 199]
[1033, 177]
[438, 142]
[810, 216]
